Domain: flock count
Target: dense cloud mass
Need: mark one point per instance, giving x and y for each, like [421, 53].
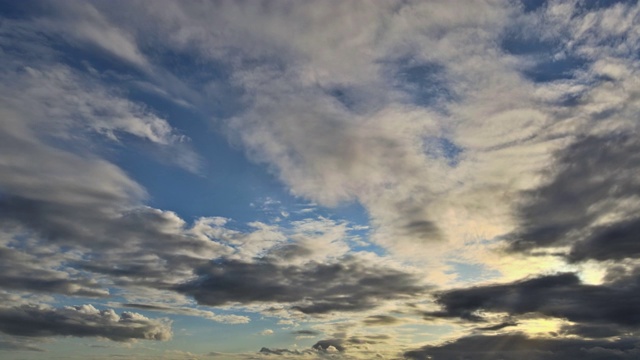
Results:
[521, 347]
[320, 180]
[81, 321]
[561, 296]
[593, 179]
[350, 285]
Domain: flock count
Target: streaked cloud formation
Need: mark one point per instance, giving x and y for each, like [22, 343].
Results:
[341, 179]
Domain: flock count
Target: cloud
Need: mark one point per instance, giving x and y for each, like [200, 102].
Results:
[227, 319]
[343, 127]
[560, 296]
[518, 346]
[589, 202]
[22, 271]
[378, 320]
[81, 321]
[498, 326]
[81, 22]
[313, 288]
[305, 332]
[284, 352]
[330, 345]
[438, 118]
[18, 345]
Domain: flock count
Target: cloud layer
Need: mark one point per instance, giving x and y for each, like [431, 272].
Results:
[438, 179]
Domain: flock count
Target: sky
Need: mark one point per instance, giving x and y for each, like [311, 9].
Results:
[331, 179]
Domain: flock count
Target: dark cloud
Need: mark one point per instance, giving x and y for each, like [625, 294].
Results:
[342, 343]
[329, 345]
[81, 321]
[73, 223]
[498, 326]
[615, 241]
[305, 332]
[377, 320]
[592, 331]
[366, 340]
[591, 180]
[24, 272]
[268, 351]
[521, 347]
[561, 296]
[312, 288]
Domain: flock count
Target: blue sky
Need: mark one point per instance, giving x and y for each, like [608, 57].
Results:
[319, 180]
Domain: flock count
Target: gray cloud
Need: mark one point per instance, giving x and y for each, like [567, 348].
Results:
[305, 332]
[521, 347]
[335, 128]
[18, 345]
[330, 345]
[377, 320]
[81, 321]
[229, 319]
[561, 296]
[498, 326]
[312, 288]
[280, 352]
[593, 178]
[22, 271]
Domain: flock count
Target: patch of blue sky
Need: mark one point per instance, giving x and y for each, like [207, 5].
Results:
[517, 42]
[220, 97]
[545, 59]
[23, 9]
[582, 5]
[227, 182]
[424, 83]
[532, 5]
[86, 57]
[470, 272]
[443, 148]
[591, 5]
[344, 96]
[550, 69]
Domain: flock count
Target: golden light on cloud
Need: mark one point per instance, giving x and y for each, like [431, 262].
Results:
[541, 326]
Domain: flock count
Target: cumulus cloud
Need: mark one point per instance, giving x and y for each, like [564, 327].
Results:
[313, 288]
[81, 321]
[330, 345]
